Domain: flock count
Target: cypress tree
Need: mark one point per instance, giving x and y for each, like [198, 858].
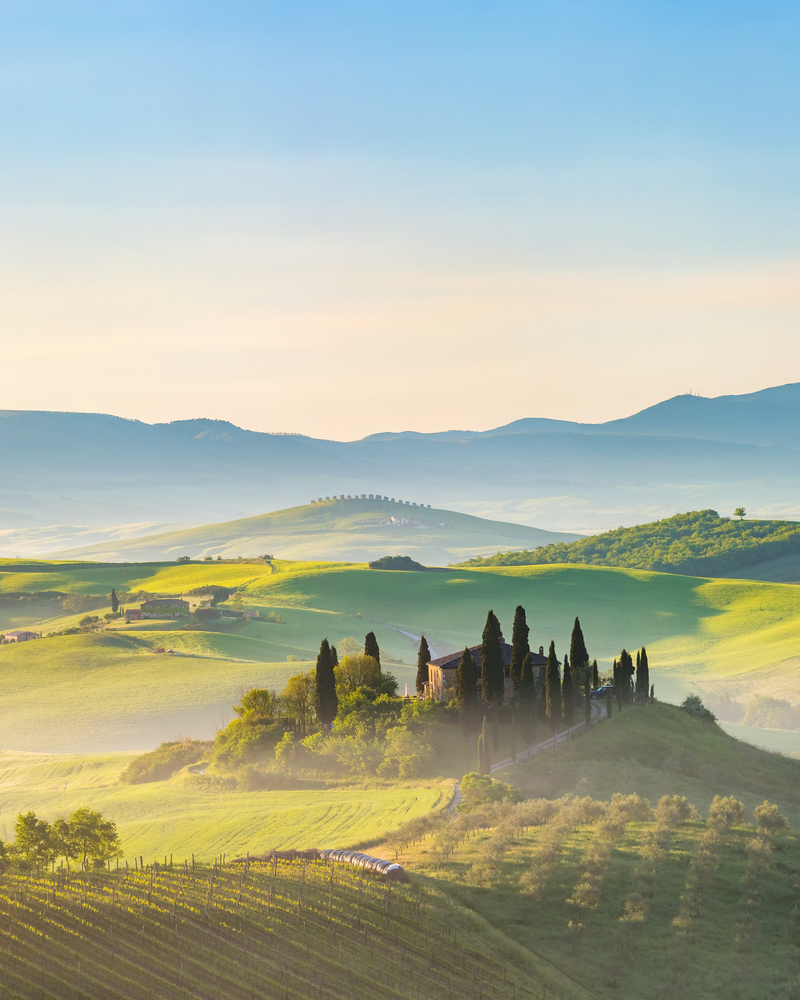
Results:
[527, 696]
[552, 691]
[625, 670]
[371, 647]
[520, 646]
[567, 694]
[423, 656]
[114, 601]
[644, 674]
[581, 672]
[334, 657]
[595, 676]
[467, 688]
[493, 675]
[484, 760]
[638, 683]
[327, 701]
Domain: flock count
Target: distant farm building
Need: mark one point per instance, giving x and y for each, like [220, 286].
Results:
[21, 635]
[164, 607]
[133, 615]
[442, 672]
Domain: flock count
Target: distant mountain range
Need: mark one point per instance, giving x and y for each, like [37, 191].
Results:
[688, 452]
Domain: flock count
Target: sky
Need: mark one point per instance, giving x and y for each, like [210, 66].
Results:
[340, 218]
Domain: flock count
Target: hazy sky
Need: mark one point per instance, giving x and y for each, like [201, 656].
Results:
[348, 217]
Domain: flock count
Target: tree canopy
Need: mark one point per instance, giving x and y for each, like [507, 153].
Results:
[698, 543]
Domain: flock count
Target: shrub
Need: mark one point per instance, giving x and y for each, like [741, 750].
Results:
[162, 763]
[694, 706]
[480, 789]
[769, 818]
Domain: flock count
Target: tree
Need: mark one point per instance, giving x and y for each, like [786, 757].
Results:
[739, 512]
[642, 675]
[625, 670]
[33, 839]
[114, 601]
[493, 675]
[567, 694]
[423, 658]
[349, 646]
[484, 759]
[298, 698]
[258, 705]
[552, 689]
[527, 686]
[327, 701]
[520, 646]
[371, 648]
[360, 671]
[93, 838]
[581, 671]
[595, 676]
[334, 657]
[467, 688]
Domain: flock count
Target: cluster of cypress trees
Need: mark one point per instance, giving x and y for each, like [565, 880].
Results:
[632, 684]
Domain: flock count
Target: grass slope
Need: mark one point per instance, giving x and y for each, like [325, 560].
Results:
[300, 932]
[161, 813]
[701, 634]
[660, 750]
[354, 530]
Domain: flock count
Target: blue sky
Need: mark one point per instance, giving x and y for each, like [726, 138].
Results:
[318, 216]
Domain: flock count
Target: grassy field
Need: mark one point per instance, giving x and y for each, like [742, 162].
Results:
[657, 750]
[299, 932]
[702, 635]
[354, 530]
[168, 816]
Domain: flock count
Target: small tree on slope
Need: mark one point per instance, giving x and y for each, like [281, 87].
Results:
[423, 656]
[371, 647]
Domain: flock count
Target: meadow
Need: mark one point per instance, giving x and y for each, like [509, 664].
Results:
[702, 635]
[172, 817]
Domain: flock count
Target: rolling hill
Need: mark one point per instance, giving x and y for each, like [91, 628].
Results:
[92, 470]
[352, 530]
[712, 636]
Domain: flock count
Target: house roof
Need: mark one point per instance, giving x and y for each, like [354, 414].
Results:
[452, 660]
[21, 631]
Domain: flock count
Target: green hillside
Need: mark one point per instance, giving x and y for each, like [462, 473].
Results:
[700, 543]
[352, 529]
[109, 690]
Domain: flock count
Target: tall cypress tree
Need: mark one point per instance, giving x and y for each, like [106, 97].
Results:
[638, 684]
[527, 697]
[114, 601]
[484, 759]
[423, 656]
[327, 701]
[581, 672]
[567, 693]
[552, 689]
[493, 675]
[520, 646]
[467, 688]
[595, 676]
[625, 670]
[334, 657]
[644, 673]
[371, 647]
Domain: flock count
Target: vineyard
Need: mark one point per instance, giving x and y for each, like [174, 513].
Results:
[282, 929]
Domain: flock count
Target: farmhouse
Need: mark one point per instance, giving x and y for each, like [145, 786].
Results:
[20, 635]
[442, 671]
[164, 607]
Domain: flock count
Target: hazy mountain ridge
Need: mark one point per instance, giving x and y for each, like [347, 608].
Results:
[684, 453]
